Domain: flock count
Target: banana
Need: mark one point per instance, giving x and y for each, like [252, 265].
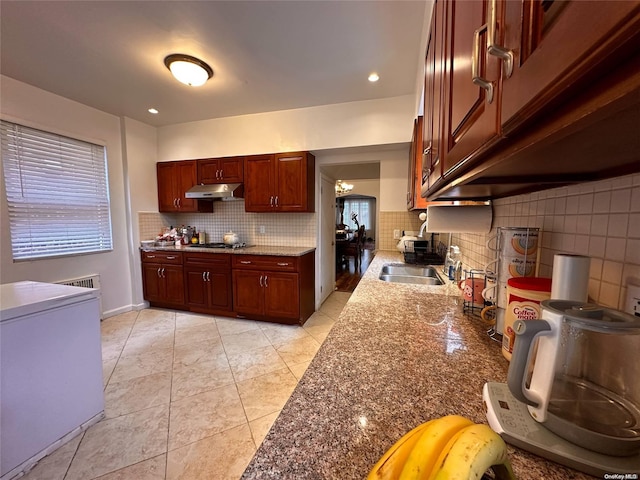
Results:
[390, 464]
[471, 452]
[434, 438]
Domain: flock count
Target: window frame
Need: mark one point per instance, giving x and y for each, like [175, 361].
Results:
[81, 205]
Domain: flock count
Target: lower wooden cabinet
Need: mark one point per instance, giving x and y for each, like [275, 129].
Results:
[163, 279]
[279, 289]
[262, 287]
[208, 282]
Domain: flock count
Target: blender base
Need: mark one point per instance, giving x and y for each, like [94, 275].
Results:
[511, 419]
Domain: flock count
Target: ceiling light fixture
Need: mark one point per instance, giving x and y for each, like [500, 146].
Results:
[189, 70]
[343, 187]
[153, 110]
[374, 77]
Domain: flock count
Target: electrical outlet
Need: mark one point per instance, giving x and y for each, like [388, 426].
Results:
[396, 234]
[632, 304]
[261, 229]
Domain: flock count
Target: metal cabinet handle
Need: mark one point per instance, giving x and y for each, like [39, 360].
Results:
[276, 200]
[475, 61]
[204, 279]
[208, 276]
[499, 51]
[283, 264]
[171, 258]
[158, 272]
[245, 262]
[162, 272]
[175, 202]
[261, 277]
[265, 281]
[151, 256]
[271, 201]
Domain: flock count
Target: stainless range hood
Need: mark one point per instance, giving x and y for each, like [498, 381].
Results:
[224, 191]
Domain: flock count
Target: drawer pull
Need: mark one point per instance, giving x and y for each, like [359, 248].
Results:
[475, 65]
[246, 262]
[171, 258]
[283, 264]
[151, 256]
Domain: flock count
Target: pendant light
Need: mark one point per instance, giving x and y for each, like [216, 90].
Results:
[189, 70]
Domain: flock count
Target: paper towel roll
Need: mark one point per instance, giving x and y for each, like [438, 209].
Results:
[570, 277]
[459, 218]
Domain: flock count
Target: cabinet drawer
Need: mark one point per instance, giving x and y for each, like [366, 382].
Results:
[266, 262]
[218, 260]
[162, 257]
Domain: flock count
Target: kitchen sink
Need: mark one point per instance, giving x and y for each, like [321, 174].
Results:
[421, 275]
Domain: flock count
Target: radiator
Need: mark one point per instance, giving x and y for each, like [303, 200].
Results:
[91, 281]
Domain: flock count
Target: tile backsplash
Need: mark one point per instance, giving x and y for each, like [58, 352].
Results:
[283, 229]
[598, 219]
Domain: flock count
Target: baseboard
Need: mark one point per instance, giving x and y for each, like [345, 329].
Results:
[124, 309]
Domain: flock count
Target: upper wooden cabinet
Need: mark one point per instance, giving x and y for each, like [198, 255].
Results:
[414, 200]
[281, 182]
[556, 45]
[221, 170]
[174, 179]
[471, 88]
[534, 95]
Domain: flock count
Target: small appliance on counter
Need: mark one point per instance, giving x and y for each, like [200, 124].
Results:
[572, 393]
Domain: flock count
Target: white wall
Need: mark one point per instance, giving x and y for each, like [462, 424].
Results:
[139, 158]
[353, 124]
[37, 108]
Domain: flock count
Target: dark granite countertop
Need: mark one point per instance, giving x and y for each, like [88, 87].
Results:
[398, 356]
[252, 250]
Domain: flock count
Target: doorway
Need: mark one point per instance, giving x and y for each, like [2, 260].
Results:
[365, 177]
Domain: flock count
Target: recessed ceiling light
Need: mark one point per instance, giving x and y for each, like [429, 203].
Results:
[189, 70]
[374, 77]
[153, 110]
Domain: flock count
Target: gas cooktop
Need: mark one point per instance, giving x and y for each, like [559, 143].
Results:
[221, 245]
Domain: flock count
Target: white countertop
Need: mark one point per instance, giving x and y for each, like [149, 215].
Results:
[24, 298]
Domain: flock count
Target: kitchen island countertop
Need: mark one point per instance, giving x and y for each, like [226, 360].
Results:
[398, 356]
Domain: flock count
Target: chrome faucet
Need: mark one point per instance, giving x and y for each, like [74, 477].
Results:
[423, 216]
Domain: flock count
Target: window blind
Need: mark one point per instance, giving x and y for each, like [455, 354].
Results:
[57, 193]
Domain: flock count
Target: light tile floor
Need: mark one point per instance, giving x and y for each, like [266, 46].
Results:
[188, 396]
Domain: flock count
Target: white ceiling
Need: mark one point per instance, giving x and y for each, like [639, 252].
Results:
[266, 55]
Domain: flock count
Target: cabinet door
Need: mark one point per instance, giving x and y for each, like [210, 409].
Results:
[259, 185]
[282, 295]
[291, 182]
[433, 166]
[219, 289]
[208, 171]
[152, 283]
[167, 186]
[174, 284]
[232, 169]
[555, 44]
[472, 119]
[187, 178]
[197, 289]
[248, 293]
[414, 200]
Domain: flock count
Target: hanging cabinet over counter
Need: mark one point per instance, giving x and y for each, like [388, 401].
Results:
[533, 94]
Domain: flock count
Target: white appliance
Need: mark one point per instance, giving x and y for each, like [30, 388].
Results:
[573, 393]
[51, 385]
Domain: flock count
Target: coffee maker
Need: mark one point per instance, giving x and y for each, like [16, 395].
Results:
[573, 388]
